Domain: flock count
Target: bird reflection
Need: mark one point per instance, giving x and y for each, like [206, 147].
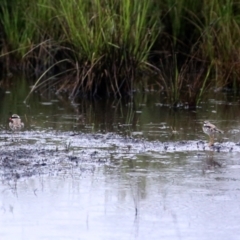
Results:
[211, 164]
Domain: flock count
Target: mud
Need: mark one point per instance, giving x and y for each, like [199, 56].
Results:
[31, 153]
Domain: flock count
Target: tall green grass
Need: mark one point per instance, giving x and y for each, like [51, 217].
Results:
[100, 46]
[104, 41]
[111, 38]
[202, 48]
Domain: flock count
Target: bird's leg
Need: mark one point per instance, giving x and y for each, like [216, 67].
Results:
[211, 140]
[12, 136]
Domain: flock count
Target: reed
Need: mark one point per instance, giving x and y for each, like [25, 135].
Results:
[221, 41]
[183, 84]
[15, 38]
[106, 43]
[111, 38]
[201, 50]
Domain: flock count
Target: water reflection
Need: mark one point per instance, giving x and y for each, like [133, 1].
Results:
[145, 187]
[151, 197]
[141, 116]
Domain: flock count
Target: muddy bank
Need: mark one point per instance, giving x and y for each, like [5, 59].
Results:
[31, 153]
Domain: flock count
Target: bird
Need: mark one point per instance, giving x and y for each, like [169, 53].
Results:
[210, 130]
[15, 123]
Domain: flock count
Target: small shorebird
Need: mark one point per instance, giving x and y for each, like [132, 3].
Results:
[210, 130]
[15, 122]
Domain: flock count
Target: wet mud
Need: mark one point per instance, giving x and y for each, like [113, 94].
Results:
[30, 153]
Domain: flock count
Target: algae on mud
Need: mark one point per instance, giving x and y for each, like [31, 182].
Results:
[35, 153]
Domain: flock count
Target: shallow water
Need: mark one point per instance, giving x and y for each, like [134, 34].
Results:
[118, 169]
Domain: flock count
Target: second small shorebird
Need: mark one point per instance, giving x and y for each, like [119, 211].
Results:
[210, 130]
[15, 123]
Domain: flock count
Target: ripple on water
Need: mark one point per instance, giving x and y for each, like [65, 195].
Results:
[95, 183]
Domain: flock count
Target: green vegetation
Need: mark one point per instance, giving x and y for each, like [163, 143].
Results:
[103, 47]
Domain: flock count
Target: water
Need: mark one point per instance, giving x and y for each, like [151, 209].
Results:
[123, 183]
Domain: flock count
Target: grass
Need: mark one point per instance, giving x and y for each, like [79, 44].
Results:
[98, 47]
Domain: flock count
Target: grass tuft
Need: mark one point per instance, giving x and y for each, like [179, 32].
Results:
[98, 47]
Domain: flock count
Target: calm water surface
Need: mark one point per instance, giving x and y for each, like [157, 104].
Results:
[143, 194]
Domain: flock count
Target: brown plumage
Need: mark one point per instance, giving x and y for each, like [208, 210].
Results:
[210, 130]
[15, 122]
